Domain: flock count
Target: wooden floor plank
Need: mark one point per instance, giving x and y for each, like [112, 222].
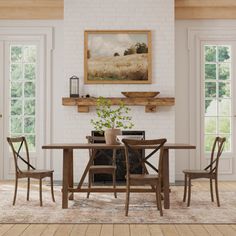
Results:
[155, 230]
[64, 230]
[139, 230]
[34, 229]
[107, 230]
[50, 229]
[16, 230]
[199, 230]
[121, 229]
[93, 230]
[226, 230]
[212, 230]
[184, 230]
[169, 230]
[4, 228]
[79, 230]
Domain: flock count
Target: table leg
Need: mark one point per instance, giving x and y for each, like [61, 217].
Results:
[166, 183]
[65, 178]
[71, 173]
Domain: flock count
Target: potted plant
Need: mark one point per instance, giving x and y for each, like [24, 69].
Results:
[111, 120]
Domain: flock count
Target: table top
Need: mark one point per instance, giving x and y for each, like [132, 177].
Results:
[108, 146]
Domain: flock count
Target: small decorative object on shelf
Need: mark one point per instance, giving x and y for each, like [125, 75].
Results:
[74, 86]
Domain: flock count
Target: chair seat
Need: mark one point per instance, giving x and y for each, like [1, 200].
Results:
[98, 167]
[36, 171]
[197, 172]
[143, 176]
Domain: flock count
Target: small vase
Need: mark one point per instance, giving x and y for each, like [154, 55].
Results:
[110, 136]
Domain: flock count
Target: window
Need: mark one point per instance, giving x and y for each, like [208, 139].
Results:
[217, 95]
[23, 73]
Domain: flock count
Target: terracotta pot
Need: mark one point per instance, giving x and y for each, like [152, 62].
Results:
[110, 135]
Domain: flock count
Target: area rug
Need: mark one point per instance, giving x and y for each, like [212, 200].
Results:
[104, 208]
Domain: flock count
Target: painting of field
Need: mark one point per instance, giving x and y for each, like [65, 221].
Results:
[117, 57]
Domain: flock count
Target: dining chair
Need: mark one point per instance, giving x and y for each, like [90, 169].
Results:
[20, 149]
[101, 169]
[210, 172]
[153, 180]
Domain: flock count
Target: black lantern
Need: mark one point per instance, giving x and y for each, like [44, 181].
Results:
[74, 86]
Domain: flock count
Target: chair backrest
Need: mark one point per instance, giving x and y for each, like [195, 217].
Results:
[18, 146]
[217, 149]
[154, 145]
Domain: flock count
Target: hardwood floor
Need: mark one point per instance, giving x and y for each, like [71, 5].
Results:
[125, 229]
[116, 230]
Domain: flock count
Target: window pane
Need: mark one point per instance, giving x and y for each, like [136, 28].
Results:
[210, 53]
[16, 53]
[30, 53]
[224, 107]
[16, 124]
[210, 125]
[224, 90]
[211, 107]
[210, 89]
[224, 71]
[210, 71]
[227, 147]
[29, 89]
[16, 71]
[30, 72]
[31, 142]
[16, 89]
[29, 125]
[223, 53]
[224, 125]
[16, 107]
[29, 107]
[209, 140]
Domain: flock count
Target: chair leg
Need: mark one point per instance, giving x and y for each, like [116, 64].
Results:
[52, 192]
[28, 188]
[114, 183]
[89, 184]
[127, 200]
[217, 192]
[40, 192]
[185, 187]
[158, 198]
[211, 188]
[189, 191]
[16, 185]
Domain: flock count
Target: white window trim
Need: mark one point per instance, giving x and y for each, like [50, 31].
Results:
[44, 35]
[195, 37]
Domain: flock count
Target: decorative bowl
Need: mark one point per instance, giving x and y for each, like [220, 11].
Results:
[140, 94]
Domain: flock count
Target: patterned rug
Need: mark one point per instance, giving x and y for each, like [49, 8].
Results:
[104, 208]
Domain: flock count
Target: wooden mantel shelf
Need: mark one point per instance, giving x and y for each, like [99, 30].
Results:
[150, 104]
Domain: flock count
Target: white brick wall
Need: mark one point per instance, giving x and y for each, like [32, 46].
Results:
[154, 15]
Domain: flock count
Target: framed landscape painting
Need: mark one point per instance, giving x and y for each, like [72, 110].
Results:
[117, 56]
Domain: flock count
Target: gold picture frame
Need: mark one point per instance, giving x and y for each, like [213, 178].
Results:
[117, 57]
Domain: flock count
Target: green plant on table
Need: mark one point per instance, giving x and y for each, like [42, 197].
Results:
[108, 117]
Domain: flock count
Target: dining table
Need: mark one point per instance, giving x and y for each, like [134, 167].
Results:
[68, 188]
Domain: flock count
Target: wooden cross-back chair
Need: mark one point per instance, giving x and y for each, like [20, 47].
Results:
[18, 146]
[210, 172]
[101, 169]
[154, 180]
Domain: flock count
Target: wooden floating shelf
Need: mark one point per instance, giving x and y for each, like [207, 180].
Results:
[150, 104]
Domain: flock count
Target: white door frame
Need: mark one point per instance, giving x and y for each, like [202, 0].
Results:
[195, 37]
[44, 35]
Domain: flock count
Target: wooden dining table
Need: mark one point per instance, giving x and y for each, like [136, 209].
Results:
[68, 188]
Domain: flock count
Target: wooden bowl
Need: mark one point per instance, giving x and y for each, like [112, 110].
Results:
[140, 94]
